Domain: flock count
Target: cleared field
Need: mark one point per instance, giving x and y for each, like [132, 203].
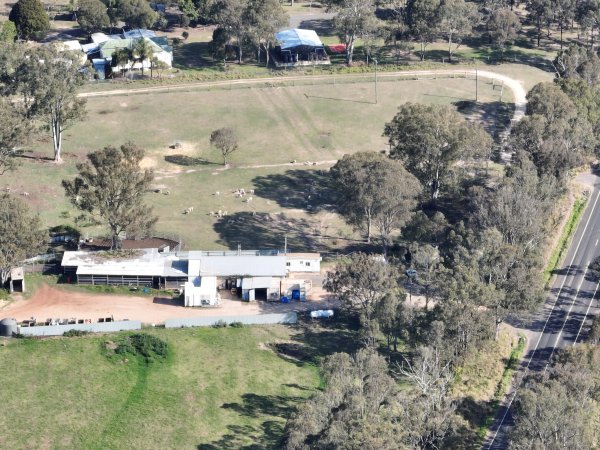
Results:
[220, 388]
[275, 125]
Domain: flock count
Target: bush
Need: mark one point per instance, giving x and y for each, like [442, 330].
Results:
[30, 19]
[220, 324]
[75, 333]
[185, 35]
[146, 345]
[236, 325]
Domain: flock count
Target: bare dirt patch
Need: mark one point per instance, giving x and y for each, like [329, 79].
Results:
[53, 302]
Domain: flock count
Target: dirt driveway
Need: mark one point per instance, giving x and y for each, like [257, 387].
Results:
[53, 302]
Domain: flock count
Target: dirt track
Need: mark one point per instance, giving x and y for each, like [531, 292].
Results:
[515, 86]
[52, 302]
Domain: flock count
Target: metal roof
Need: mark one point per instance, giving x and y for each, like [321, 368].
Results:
[257, 283]
[251, 266]
[138, 33]
[150, 262]
[296, 37]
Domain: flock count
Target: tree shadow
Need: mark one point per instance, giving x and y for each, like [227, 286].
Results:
[192, 55]
[323, 338]
[185, 160]
[304, 189]
[270, 231]
[475, 414]
[254, 405]
[321, 26]
[494, 116]
[266, 436]
[34, 156]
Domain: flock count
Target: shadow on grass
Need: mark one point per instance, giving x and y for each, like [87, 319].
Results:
[494, 116]
[258, 230]
[192, 55]
[254, 405]
[185, 160]
[323, 27]
[266, 436]
[321, 338]
[269, 231]
[305, 189]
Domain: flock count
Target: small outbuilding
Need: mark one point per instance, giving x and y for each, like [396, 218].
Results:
[17, 280]
[303, 262]
[296, 46]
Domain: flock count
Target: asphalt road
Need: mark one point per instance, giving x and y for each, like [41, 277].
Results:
[567, 314]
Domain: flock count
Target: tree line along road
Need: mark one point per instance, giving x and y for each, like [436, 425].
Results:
[567, 313]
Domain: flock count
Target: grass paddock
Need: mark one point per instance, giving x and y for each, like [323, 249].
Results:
[219, 388]
[275, 125]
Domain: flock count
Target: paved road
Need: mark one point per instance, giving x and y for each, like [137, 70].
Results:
[567, 313]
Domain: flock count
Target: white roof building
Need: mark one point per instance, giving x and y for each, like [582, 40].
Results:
[196, 272]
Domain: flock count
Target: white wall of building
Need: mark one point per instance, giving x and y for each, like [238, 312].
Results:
[307, 263]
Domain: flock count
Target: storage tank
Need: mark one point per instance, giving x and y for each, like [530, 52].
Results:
[8, 327]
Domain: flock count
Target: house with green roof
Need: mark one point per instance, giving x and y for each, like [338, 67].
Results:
[159, 44]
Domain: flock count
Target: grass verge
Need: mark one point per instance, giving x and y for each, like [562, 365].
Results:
[565, 238]
[511, 366]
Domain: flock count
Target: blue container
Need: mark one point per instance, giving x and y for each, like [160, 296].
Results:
[296, 294]
[285, 300]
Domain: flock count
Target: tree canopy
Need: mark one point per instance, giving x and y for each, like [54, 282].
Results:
[136, 13]
[48, 81]
[30, 18]
[360, 283]
[374, 191]
[111, 186]
[8, 31]
[225, 140]
[92, 15]
[354, 18]
[358, 409]
[21, 235]
[430, 139]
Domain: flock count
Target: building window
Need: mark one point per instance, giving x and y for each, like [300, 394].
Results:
[307, 264]
[288, 264]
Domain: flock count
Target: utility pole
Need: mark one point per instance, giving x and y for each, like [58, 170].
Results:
[376, 93]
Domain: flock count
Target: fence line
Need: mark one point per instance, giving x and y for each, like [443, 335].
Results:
[99, 327]
[261, 319]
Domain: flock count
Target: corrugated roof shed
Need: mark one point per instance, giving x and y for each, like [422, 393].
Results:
[252, 266]
[296, 37]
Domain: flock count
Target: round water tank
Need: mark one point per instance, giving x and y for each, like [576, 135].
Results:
[8, 327]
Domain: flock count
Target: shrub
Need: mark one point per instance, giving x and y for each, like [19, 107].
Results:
[75, 333]
[145, 345]
[185, 35]
[220, 324]
[236, 325]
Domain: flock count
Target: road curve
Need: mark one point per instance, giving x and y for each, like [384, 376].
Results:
[519, 92]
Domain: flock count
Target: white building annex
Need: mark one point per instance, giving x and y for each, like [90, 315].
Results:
[200, 275]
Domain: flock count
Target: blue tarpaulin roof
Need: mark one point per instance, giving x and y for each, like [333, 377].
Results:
[295, 37]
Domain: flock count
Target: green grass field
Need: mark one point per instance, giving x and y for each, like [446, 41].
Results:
[219, 388]
[275, 126]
